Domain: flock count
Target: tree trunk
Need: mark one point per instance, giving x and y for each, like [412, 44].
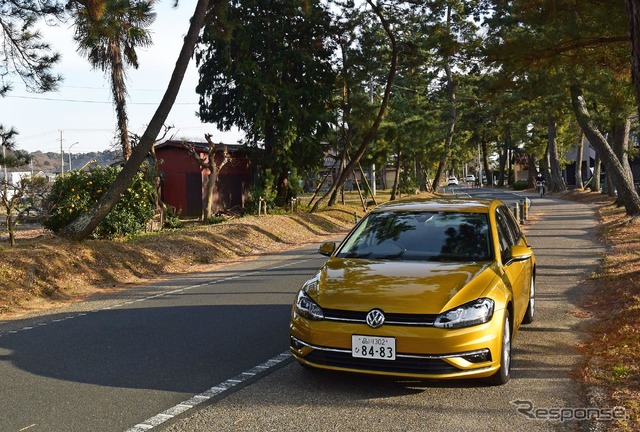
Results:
[451, 127]
[555, 182]
[420, 177]
[282, 180]
[610, 188]
[510, 160]
[579, 156]
[532, 171]
[627, 194]
[485, 164]
[210, 190]
[11, 230]
[633, 19]
[620, 146]
[503, 162]
[396, 179]
[452, 87]
[84, 225]
[438, 177]
[119, 91]
[370, 135]
[597, 171]
[343, 165]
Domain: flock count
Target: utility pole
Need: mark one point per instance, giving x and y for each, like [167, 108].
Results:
[479, 166]
[373, 165]
[77, 142]
[61, 155]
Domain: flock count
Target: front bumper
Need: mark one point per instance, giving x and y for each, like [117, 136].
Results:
[421, 352]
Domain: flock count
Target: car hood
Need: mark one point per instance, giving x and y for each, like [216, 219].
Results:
[398, 286]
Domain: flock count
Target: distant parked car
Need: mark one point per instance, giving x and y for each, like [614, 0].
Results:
[471, 178]
[452, 181]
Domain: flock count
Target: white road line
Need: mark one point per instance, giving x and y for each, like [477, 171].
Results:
[216, 390]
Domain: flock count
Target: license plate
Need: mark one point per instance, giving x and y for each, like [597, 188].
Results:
[373, 347]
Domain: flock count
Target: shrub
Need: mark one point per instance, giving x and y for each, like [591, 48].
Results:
[213, 220]
[265, 191]
[408, 184]
[520, 185]
[172, 218]
[74, 193]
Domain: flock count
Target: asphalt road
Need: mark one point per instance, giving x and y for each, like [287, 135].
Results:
[542, 388]
[207, 352]
[110, 363]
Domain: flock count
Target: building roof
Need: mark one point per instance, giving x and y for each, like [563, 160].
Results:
[202, 146]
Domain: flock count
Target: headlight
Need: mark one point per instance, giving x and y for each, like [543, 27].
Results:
[306, 307]
[469, 314]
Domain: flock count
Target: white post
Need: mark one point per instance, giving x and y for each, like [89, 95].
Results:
[373, 180]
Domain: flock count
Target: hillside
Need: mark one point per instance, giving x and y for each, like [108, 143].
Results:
[50, 162]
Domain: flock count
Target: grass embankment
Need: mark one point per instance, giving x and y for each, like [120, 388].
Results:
[43, 271]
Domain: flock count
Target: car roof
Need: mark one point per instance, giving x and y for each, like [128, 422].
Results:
[466, 205]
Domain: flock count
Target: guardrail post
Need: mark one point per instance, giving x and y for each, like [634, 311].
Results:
[516, 210]
[524, 212]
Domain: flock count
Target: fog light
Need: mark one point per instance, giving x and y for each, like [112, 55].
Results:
[295, 343]
[478, 356]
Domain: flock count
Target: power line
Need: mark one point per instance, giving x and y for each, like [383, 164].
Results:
[90, 101]
[105, 88]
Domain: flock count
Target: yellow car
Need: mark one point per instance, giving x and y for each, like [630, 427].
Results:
[424, 289]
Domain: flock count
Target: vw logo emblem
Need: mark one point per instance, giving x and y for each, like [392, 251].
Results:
[375, 318]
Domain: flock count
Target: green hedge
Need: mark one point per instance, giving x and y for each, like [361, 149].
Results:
[520, 185]
[75, 192]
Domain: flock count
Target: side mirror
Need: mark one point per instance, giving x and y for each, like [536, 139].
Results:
[327, 248]
[519, 253]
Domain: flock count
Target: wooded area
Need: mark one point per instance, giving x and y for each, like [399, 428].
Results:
[429, 87]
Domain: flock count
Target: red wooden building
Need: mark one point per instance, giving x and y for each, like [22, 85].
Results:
[183, 182]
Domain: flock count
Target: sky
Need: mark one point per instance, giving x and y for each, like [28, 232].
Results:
[80, 116]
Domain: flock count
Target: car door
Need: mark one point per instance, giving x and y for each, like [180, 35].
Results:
[516, 271]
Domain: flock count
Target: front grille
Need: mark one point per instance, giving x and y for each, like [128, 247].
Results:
[399, 365]
[390, 318]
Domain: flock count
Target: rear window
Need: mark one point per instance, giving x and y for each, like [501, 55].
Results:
[420, 236]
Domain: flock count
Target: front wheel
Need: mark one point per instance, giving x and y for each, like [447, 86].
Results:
[503, 374]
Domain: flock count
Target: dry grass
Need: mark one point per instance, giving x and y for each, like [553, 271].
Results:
[43, 270]
[612, 354]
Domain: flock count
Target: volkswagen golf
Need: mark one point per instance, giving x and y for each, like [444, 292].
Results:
[430, 289]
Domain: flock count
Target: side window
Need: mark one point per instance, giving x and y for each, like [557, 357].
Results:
[503, 235]
[511, 223]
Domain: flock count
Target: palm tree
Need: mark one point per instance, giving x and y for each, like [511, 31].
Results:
[108, 34]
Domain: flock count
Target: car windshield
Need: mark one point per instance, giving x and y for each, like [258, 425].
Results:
[420, 236]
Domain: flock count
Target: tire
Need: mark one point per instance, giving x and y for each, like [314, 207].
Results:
[503, 374]
[529, 315]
